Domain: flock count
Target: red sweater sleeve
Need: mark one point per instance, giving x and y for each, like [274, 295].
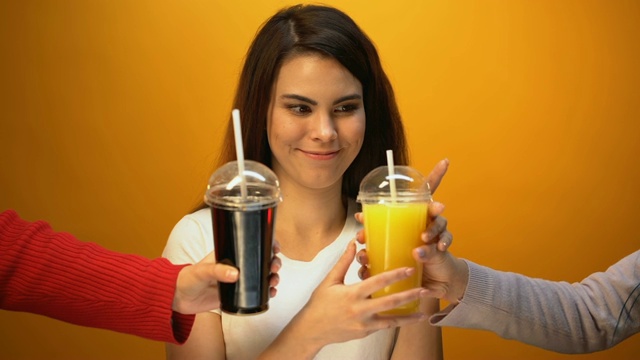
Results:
[54, 274]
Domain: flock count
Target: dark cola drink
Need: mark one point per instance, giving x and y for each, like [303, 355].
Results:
[243, 213]
[243, 238]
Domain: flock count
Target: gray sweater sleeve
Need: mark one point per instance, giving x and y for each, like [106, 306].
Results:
[592, 315]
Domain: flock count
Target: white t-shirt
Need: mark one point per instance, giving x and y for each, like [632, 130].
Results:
[246, 337]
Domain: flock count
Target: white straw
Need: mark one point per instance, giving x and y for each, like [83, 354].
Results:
[235, 113]
[392, 180]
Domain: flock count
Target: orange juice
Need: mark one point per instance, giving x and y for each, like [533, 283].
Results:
[392, 231]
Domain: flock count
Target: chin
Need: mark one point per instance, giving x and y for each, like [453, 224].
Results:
[318, 184]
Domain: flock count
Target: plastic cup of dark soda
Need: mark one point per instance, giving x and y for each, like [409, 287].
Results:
[243, 211]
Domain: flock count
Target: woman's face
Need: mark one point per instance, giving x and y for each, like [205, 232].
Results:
[316, 121]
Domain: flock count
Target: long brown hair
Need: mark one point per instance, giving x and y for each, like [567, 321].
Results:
[328, 31]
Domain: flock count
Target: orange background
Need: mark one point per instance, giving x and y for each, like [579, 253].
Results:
[112, 113]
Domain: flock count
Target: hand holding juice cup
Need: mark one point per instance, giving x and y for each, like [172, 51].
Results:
[394, 203]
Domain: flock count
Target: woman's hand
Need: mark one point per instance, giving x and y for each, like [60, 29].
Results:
[337, 312]
[353, 313]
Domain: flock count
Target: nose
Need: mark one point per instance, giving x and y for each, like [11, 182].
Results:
[323, 127]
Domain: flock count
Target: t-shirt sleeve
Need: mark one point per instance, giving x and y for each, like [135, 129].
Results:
[190, 240]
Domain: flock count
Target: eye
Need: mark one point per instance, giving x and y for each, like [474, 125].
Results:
[346, 108]
[299, 109]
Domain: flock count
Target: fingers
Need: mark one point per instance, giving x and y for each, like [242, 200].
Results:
[436, 175]
[362, 257]
[425, 253]
[436, 234]
[422, 254]
[376, 306]
[276, 247]
[436, 228]
[385, 303]
[364, 273]
[392, 301]
[359, 217]
[274, 280]
[435, 293]
[337, 274]
[380, 281]
[276, 264]
[446, 239]
[208, 270]
[435, 209]
[224, 273]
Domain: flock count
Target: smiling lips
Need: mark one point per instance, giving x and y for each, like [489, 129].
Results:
[320, 155]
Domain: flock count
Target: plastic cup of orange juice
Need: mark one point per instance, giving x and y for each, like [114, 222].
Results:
[395, 215]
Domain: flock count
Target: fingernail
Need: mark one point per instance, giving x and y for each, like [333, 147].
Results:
[421, 253]
[438, 205]
[424, 236]
[409, 271]
[232, 273]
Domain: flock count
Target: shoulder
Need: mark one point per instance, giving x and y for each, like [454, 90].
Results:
[191, 238]
[192, 224]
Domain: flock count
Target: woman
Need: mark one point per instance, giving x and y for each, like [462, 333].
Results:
[318, 109]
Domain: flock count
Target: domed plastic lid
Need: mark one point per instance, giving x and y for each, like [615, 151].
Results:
[410, 186]
[225, 189]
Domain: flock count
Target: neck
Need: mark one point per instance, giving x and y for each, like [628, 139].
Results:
[308, 220]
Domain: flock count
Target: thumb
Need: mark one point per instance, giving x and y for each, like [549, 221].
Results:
[436, 175]
[339, 271]
[208, 270]
[224, 273]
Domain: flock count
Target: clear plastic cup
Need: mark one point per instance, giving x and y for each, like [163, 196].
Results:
[243, 226]
[393, 224]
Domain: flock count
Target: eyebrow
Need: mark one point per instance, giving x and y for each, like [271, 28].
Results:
[313, 102]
